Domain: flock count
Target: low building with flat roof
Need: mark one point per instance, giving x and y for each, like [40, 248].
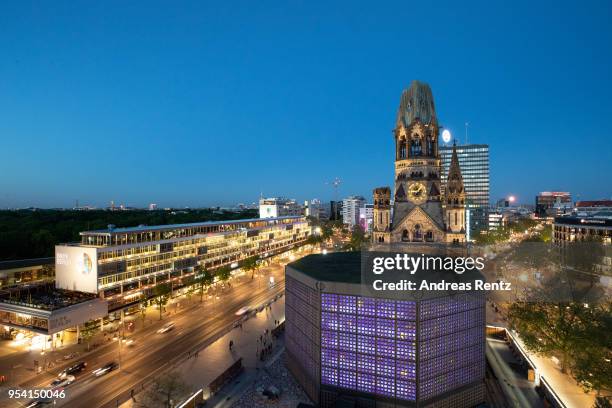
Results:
[388, 350]
[21, 271]
[123, 265]
[44, 309]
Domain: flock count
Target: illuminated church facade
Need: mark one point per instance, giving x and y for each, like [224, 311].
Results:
[421, 212]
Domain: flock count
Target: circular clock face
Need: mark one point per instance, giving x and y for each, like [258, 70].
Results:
[417, 193]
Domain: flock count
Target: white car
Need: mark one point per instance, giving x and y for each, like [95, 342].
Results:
[62, 382]
[167, 327]
[243, 310]
[105, 369]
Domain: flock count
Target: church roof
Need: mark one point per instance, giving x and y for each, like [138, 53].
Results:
[454, 181]
[416, 102]
[432, 209]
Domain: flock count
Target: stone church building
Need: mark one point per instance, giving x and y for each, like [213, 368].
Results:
[421, 213]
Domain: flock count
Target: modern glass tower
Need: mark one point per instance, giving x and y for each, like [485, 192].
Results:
[474, 163]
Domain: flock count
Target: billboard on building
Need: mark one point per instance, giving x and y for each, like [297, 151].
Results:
[76, 268]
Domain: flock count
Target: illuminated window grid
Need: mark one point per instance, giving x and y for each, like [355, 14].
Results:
[373, 356]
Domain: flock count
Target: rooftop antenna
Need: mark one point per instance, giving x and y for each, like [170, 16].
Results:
[466, 132]
[335, 183]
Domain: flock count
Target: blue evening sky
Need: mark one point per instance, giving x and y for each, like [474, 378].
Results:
[213, 103]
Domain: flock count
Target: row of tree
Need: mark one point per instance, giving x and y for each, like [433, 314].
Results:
[34, 233]
[568, 315]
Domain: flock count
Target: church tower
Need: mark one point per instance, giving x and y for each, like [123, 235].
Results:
[417, 209]
[382, 215]
[454, 201]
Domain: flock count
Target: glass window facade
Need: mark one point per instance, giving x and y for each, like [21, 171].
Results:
[474, 163]
[373, 345]
[368, 345]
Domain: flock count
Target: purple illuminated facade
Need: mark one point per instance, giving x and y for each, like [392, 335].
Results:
[390, 352]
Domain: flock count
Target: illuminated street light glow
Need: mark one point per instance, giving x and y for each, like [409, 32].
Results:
[446, 136]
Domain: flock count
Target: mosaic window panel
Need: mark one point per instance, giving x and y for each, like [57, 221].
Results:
[347, 342]
[347, 323]
[329, 357]
[385, 347]
[406, 330]
[385, 327]
[347, 360]
[406, 350]
[366, 306]
[366, 344]
[385, 366]
[405, 370]
[366, 382]
[329, 302]
[405, 390]
[329, 321]
[329, 376]
[329, 338]
[385, 386]
[406, 310]
[347, 379]
[366, 325]
[385, 308]
[366, 364]
[347, 304]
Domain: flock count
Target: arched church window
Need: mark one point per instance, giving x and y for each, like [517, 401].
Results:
[429, 236]
[417, 234]
[405, 236]
[403, 151]
[415, 148]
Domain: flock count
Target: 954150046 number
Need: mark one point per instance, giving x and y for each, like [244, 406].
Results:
[35, 393]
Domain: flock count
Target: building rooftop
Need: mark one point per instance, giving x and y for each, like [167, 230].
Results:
[44, 296]
[333, 267]
[594, 203]
[146, 228]
[346, 267]
[25, 263]
[601, 218]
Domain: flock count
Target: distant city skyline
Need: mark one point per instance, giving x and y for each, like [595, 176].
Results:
[210, 105]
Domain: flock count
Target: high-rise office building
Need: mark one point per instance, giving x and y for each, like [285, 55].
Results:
[474, 163]
[350, 209]
[335, 210]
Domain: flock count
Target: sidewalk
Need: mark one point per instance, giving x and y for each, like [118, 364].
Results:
[19, 361]
[198, 371]
[570, 393]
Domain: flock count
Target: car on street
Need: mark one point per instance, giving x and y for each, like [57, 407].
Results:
[62, 382]
[107, 368]
[41, 402]
[166, 328]
[243, 310]
[73, 369]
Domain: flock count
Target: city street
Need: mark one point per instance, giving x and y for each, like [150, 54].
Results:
[196, 325]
